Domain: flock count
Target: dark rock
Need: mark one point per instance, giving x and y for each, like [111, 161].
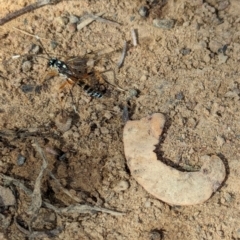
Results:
[143, 11]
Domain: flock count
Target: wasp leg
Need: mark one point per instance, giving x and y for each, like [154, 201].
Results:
[63, 99]
[113, 81]
[50, 74]
[67, 83]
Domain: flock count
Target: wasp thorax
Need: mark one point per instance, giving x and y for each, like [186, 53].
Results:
[52, 62]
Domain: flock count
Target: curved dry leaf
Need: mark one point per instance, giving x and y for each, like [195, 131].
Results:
[164, 182]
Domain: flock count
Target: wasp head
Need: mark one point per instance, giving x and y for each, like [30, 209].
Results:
[52, 62]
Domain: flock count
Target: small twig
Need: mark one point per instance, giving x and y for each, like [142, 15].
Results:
[117, 87]
[79, 208]
[37, 234]
[74, 109]
[16, 183]
[104, 20]
[134, 37]
[16, 56]
[75, 198]
[36, 195]
[29, 34]
[124, 51]
[20, 228]
[125, 114]
[113, 84]
[38, 39]
[29, 8]
[88, 21]
[45, 234]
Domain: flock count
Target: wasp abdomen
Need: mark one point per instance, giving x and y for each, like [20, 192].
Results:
[90, 91]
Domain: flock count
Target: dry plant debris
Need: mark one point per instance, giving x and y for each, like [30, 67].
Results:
[88, 21]
[103, 20]
[27, 9]
[37, 202]
[134, 37]
[37, 234]
[79, 208]
[122, 57]
[36, 195]
[82, 208]
[164, 182]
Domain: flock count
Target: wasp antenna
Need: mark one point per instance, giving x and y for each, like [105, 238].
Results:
[38, 38]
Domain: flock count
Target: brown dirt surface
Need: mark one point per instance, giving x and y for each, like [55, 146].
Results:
[190, 73]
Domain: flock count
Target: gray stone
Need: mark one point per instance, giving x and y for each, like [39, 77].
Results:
[143, 11]
[73, 19]
[26, 66]
[163, 23]
[20, 160]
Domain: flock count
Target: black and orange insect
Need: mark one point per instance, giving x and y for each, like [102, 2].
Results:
[76, 71]
[79, 74]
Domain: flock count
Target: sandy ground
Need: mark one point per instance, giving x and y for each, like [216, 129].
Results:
[190, 73]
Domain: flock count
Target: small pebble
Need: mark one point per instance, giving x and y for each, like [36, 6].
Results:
[220, 141]
[53, 44]
[7, 197]
[223, 5]
[122, 186]
[165, 59]
[147, 204]
[62, 20]
[222, 58]
[185, 51]
[163, 23]
[156, 235]
[26, 66]
[238, 232]
[201, 45]
[108, 115]
[191, 122]
[232, 94]
[209, 8]
[143, 78]
[35, 49]
[59, 29]
[179, 96]
[73, 19]
[214, 46]
[68, 134]
[133, 93]
[26, 88]
[206, 58]
[38, 89]
[76, 135]
[72, 27]
[186, 24]
[223, 49]
[20, 160]
[143, 11]
[117, 109]
[63, 122]
[132, 18]
[62, 157]
[104, 130]
[52, 217]
[228, 197]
